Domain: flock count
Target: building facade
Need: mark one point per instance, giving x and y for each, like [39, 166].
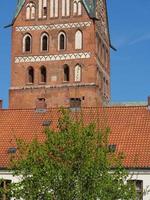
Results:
[60, 54]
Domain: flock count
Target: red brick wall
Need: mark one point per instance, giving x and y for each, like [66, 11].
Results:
[59, 95]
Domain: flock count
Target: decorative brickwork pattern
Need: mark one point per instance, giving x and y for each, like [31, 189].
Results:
[53, 26]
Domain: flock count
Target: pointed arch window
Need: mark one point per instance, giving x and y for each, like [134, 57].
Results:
[44, 42]
[77, 73]
[43, 74]
[79, 8]
[75, 8]
[78, 40]
[62, 41]
[27, 39]
[66, 73]
[30, 11]
[30, 75]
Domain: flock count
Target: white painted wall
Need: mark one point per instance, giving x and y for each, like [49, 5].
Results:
[134, 174]
[145, 176]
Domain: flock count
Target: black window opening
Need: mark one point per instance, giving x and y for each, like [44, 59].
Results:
[75, 104]
[66, 73]
[62, 42]
[43, 74]
[45, 43]
[44, 11]
[30, 75]
[27, 44]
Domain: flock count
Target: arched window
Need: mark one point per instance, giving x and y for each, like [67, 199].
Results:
[62, 41]
[43, 74]
[78, 40]
[79, 8]
[30, 75]
[66, 73]
[75, 8]
[44, 42]
[30, 11]
[77, 73]
[27, 43]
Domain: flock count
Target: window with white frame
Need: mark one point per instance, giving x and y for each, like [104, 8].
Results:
[27, 40]
[77, 73]
[53, 8]
[62, 41]
[44, 42]
[78, 39]
[65, 8]
[30, 11]
[42, 9]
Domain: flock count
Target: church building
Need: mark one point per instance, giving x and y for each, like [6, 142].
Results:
[61, 57]
[60, 54]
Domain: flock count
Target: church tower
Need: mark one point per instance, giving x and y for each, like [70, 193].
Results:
[60, 54]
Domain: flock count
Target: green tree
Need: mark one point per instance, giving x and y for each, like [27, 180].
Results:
[73, 163]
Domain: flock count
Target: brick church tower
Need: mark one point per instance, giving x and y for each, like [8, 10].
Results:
[60, 54]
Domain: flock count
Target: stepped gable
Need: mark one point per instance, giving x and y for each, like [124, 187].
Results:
[129, 125]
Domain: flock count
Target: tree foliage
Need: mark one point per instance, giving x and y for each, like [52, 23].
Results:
[73, 163]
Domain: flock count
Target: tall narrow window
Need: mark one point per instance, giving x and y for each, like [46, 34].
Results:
[79, 8]
[65, 8]
[61, 41]
[30, 11]
[75, 8]
[27, 43]
[30, 75]
[77, 73]
[43, 74]
[66, 73]
[44, 42]
[42, 8]
[53, 8]
[78, 40]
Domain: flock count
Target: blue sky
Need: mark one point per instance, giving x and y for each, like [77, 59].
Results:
[130, 34]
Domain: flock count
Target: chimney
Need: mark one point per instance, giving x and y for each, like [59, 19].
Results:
[41, 105]
[148, 102]
[1, 103]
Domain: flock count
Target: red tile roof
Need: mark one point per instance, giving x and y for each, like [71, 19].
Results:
[129, 125]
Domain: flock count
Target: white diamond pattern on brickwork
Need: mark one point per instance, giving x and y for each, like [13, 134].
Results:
[26, 59]
[53, 26]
